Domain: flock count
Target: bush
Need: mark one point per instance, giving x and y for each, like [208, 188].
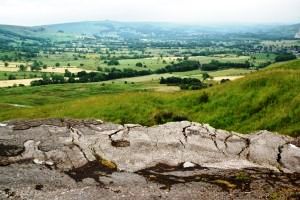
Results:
[162, 117]
[12, 77]
[224, 81]
[203, 98]
[139, 64]
[113, 62]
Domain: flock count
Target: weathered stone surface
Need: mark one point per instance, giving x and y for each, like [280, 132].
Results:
[73, 143]
[47, 155]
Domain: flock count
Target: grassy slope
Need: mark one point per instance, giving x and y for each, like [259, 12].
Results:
[269, 99]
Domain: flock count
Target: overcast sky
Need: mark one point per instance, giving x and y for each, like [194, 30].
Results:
[38, 12]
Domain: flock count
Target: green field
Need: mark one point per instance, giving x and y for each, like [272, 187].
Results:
[267, 99]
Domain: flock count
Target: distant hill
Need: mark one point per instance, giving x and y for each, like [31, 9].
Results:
[152, 29]
[15, 33]
[143, 30]
[287, 31]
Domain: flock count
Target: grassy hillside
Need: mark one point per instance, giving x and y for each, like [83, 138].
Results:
[268, 99]
[295, 64]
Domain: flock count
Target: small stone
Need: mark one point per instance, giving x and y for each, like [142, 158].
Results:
[49, 163]
[293, 146]
[188, 165]
[37, 161]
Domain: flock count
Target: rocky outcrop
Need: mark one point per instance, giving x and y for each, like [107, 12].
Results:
[68, 144]
[81, 149]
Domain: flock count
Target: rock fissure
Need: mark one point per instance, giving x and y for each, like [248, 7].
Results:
[247, 142]
[226, 139]
[184, 132]
[76, 136]
[279, 157]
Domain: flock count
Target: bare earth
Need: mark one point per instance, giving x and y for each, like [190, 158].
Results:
[10, 83]
[219, 78]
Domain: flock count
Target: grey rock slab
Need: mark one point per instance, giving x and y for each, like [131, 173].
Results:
[68, 144]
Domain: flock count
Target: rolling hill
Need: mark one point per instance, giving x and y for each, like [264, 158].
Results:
[141, 30]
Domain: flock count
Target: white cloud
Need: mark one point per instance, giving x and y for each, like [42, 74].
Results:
[33, 12]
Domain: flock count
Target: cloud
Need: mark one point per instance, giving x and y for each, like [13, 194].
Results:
[34, 12]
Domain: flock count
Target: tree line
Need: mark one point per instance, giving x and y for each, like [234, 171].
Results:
[85, 77]
[184, 83]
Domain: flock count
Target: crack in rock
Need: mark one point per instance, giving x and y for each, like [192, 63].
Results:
[184, 133]
[279, 157]
[247, 146]
[226, 139]
[76, 136]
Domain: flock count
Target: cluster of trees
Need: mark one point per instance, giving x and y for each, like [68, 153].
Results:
[139, 64]
[37, 65]
[184, 83]
[112, 62]
[285, 57]
[186, 65]
[53, 79]
[217, 65]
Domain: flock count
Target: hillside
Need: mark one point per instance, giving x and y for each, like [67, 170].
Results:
[18, 34]
[268, 99]
[142, 30]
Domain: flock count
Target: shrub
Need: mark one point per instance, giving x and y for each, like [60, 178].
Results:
[162, 117]
[203, 98]
[139, 64]
[12, 77]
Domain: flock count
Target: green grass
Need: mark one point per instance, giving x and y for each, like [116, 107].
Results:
[294, 64]
[268, 99]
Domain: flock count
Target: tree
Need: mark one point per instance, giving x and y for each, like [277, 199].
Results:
[139, 64]
[35, 66]
[12, 77]
[113, 62]
[22, 68]
[6, 64]
[205, 76]
[57, 64]
[68, 73]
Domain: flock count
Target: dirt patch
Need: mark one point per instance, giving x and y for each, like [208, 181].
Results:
[232, 78]
[9, 83]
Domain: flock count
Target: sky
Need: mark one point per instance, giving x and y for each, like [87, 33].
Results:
[41, 12]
